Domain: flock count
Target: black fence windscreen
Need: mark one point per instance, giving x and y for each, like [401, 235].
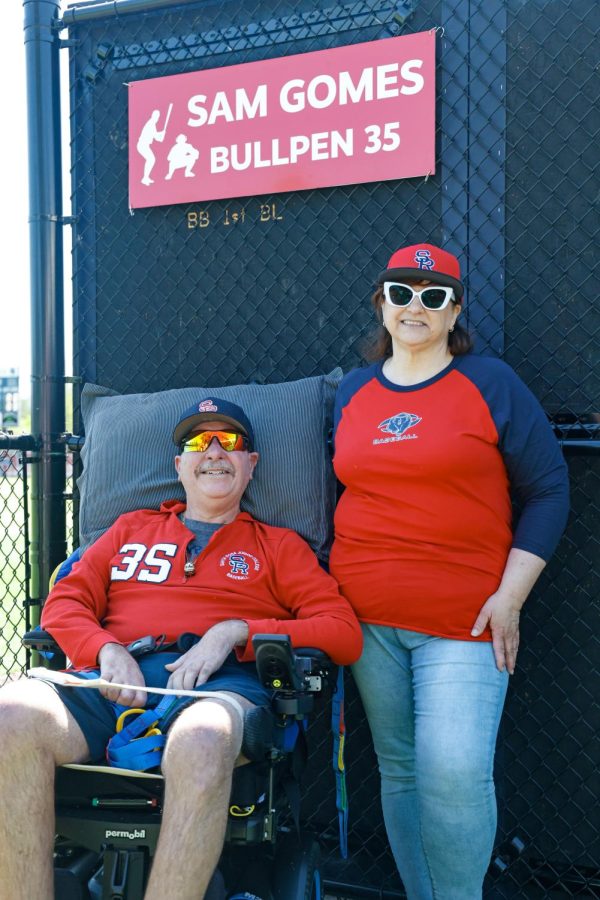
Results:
[276, 287]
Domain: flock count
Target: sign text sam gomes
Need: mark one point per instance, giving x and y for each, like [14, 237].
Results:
[355, 114]
[323, 91]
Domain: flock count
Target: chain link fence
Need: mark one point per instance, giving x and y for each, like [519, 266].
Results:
[274, 288]
[548, 842]
[14, 562]
[19, 608]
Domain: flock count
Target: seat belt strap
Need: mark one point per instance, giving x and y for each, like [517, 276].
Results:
[140, 744]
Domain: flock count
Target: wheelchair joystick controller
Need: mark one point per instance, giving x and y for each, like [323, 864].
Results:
[295, 675]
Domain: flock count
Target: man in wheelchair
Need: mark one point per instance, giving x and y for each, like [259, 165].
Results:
[202, 567]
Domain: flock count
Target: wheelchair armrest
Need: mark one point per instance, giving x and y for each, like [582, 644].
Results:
[283, 668]
[40, 640]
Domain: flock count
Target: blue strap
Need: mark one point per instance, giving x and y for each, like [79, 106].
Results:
[338, 726]
[62, 570]
[244, 896]
[317, 885]
[86, 673]
[141, 754]
[132, 748]
[290, 735]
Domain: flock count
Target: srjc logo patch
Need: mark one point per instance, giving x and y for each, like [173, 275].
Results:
[207, 406]
[424, 260]
[241, 565]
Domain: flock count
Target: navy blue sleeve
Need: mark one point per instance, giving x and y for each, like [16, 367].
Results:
[349, 385]
[536, 467]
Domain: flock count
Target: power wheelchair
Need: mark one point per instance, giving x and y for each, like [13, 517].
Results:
[108, 821]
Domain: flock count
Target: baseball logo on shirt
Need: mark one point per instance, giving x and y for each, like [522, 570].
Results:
[241, 565]
[397, 426]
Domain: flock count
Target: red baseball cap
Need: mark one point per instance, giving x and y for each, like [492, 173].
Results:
[426, 262]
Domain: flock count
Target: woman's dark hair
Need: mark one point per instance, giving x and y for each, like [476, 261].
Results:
[379, 344]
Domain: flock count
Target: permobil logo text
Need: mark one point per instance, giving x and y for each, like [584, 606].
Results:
[130, 835]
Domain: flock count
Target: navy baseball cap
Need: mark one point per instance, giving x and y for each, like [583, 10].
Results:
[207, 410]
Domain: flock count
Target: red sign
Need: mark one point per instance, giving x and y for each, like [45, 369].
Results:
[345, 116]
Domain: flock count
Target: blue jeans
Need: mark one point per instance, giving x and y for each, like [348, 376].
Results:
[434, 707]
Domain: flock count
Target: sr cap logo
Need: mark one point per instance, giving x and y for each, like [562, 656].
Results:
[209, 409]
[425, 262]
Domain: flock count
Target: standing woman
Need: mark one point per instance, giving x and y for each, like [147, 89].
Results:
[431, 441]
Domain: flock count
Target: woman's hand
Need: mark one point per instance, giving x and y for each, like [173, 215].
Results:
[502, 610]
[117, 664]
[502, 615]
[207, 656]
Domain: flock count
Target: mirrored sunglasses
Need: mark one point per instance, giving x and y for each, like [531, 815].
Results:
[229, 441]
[432, 298]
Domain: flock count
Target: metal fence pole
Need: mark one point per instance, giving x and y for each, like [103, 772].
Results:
[48, 544]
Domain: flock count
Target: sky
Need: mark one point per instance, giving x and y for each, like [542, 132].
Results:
[14, 245]
[15, 300]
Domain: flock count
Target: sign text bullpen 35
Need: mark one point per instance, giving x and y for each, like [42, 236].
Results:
[345, 116]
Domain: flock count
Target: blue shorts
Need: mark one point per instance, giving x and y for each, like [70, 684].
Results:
[97, 716]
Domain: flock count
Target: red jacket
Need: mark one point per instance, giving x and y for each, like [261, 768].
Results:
[131, 583]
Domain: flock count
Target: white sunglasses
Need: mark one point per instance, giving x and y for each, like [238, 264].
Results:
[431, 298]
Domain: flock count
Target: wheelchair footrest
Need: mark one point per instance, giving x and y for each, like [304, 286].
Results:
[124, 873]
[72, 871]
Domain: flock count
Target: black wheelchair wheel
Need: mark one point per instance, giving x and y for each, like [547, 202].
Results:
[296, 874]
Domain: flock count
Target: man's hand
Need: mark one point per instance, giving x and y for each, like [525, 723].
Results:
[207, 656]
[117, 664]
[502, 614]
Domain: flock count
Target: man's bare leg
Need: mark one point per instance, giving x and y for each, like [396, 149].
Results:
[37, 735]
[198, 764]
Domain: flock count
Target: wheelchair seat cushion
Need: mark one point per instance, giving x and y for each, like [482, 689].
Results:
[128, 454]
[97, 716]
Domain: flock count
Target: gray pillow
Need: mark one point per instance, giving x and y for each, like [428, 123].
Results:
[128, 454]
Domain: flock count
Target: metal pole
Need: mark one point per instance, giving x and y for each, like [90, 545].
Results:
[48, 544]
[106, 8]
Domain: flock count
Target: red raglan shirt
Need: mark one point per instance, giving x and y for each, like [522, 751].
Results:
[424, 525]
[130, 583]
